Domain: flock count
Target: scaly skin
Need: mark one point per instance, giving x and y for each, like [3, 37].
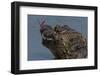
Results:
[65, 44]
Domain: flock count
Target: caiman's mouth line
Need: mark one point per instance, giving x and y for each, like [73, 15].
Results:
[45, 38]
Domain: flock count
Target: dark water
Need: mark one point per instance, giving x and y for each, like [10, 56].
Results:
[36, 51]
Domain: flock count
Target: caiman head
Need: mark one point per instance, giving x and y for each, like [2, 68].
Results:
[63, 41]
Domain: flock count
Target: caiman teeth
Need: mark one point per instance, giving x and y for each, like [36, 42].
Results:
[43, 37]
[46, 38]
[49, 39]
